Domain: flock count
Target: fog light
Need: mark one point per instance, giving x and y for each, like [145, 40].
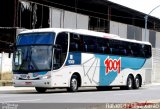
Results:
[46, 77]
[15, 77]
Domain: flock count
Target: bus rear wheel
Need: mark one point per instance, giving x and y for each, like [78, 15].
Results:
[73, 84]
[136, 82]
[40, 89]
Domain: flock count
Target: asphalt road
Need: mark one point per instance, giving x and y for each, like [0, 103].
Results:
[85, 95]
[86, 98]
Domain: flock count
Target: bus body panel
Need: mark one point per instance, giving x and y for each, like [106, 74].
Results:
[92, 70]
[95, 69]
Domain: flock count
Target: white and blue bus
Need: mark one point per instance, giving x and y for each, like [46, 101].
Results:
[73, 58]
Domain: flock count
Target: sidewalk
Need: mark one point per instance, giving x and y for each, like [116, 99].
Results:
[12, 88]
[152, 84]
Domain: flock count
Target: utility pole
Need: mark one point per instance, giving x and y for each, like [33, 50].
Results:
[146, 20]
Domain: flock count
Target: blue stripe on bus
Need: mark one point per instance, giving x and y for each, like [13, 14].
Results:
[74, 58]
[126, 62]
[34, 73]
[29, 39]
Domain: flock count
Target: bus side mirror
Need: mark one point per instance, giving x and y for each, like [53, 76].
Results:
[18, 57]
[56, 46]
[9, 56]
[12, 48]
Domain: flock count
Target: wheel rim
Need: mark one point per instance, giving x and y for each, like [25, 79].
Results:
[74, 84]
[130, 83]
[137, 82]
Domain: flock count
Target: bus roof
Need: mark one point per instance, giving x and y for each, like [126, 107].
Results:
[84, 32]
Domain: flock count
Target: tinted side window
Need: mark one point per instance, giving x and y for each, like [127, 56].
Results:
[129, 51]
[115, 47]
[103, 46]
[138, 50]
[147, 50]
[60, 52]
[111, 46]
[89, 44]
[62, 41]
[75, 42]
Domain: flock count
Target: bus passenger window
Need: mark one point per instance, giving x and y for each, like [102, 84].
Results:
[61, 51]
[74, 42]
[73, 46]
[147, 51]
[85, 47]
[125, 52]
[111, 50]
[89, 44]
[102, 50]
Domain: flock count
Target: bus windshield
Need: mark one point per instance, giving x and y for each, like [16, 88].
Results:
[33, 58]
[33, 52]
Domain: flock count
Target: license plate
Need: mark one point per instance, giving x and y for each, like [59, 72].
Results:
[28, 83]
[23, 76]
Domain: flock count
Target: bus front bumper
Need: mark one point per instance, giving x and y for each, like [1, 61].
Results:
[32, 83]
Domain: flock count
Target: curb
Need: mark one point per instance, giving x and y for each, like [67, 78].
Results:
[6, 83]
[151, 84]
[12, 88]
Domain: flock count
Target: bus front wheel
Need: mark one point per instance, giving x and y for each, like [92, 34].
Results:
[40, 89]
[73, 84]
[129, 82]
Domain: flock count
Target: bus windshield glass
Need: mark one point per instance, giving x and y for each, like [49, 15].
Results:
[33, 52]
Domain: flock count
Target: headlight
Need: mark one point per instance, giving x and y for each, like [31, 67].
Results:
[15, 77]
[46, 77]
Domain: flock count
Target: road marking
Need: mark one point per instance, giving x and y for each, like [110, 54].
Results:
[23, 100]
[11, 96]
[150, 101]
[127, 94]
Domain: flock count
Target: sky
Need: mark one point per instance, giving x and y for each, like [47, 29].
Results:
[145, 6]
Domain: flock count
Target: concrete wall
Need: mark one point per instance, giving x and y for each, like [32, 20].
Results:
[143, 35]
[66, 19]
[118, 29]
[56, 18]
[157, 40]
[123, 30]
[5, 63]
[156, 65]
[82, 21]
[70, 19]
[152, 38]
[134, 32]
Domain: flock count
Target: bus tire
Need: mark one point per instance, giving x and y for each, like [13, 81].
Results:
[73, 84]
[136, 82]
[40, 89]
[129, 83]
